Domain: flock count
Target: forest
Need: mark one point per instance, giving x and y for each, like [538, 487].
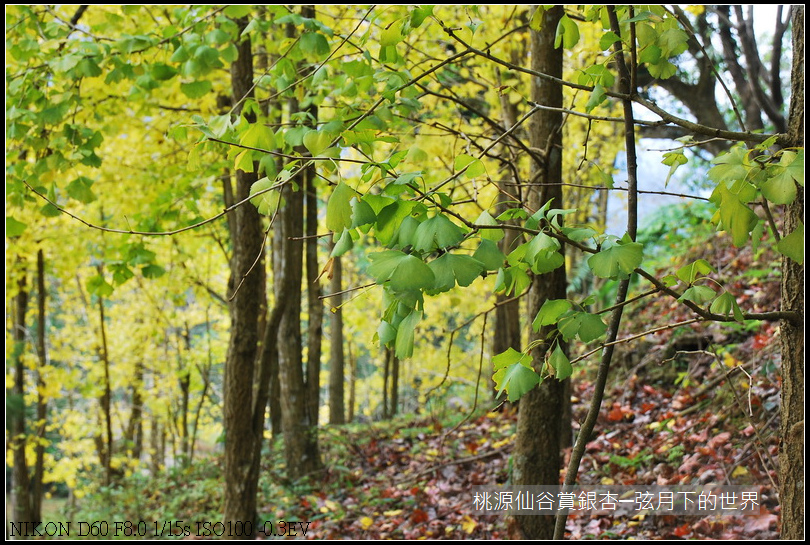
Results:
[352, 272]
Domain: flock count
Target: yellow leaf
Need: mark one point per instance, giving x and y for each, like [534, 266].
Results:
[730, 360]
[608, 481]
[393, 512]
[366, 522]
[739, 471]
[468, 524]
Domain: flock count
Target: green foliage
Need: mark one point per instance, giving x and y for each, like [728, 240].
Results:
[514, 374]
[617, 258]
[98, 115]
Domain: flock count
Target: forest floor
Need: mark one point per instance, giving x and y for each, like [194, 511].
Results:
[694, 405]
[413, 478]
[704, 416]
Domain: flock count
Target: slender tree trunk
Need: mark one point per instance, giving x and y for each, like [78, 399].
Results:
[506, 330]
[314, 302]
[20, 488]
[337, 411]
[298, 424]
[106, 398]
[42, 405]
[185, 388]
[791, 453]
[300, 440]
[536, 458]
[394, 384]
[247, 308]
[386, 373]
[352, 382]
[134, 431]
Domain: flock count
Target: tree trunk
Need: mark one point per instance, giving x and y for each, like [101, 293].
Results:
[247, 308]
[386, 373]
[394, 384]
[106, 398]
[184, 381]
[536, 458]
[42, 404]
[298, 424]
[134, 432]
[506, 330]
[352, 382]
[791, 453]
[20, 488]
[337, 411]
[314, 302]
[300, 439]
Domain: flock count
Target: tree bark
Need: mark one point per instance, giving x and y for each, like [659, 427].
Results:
[386, 373]
[337, 411]
[298, 424]
[791, 453]
[300, 439]
[42, 403]
[314, 302]
[394, 384]
[352, 382]
[247, 308]
[134, 432]
[106, 398]
[20, 487]
[536, 458]
[506, 329]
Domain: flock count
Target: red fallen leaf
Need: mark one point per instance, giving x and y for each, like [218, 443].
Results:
[760, 524]
[647, 407]
[615, 415]
[390, 493]
[690, 463]
[419, 516]
[683, 530]
[649, 389]
[719, 440]
[699, 437]
[760, 341]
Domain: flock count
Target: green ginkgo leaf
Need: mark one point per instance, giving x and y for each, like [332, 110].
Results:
[792, 245]
[560, 363]
[339, 208]
[616, 260]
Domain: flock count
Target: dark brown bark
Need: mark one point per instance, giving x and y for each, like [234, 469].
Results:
[157, 436]
[42, 403]
[386, 374]
[298, 425]
[536, 458]
[394, 384]
[247, 310]
[17, 439]
[755, 70]
[106, 398]
[337, 411]
[352, 382]
[731, 53]
[506, 329]
[791, 453]
[314, 302]
[184, 381]
[134, 432]
[300, 438]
